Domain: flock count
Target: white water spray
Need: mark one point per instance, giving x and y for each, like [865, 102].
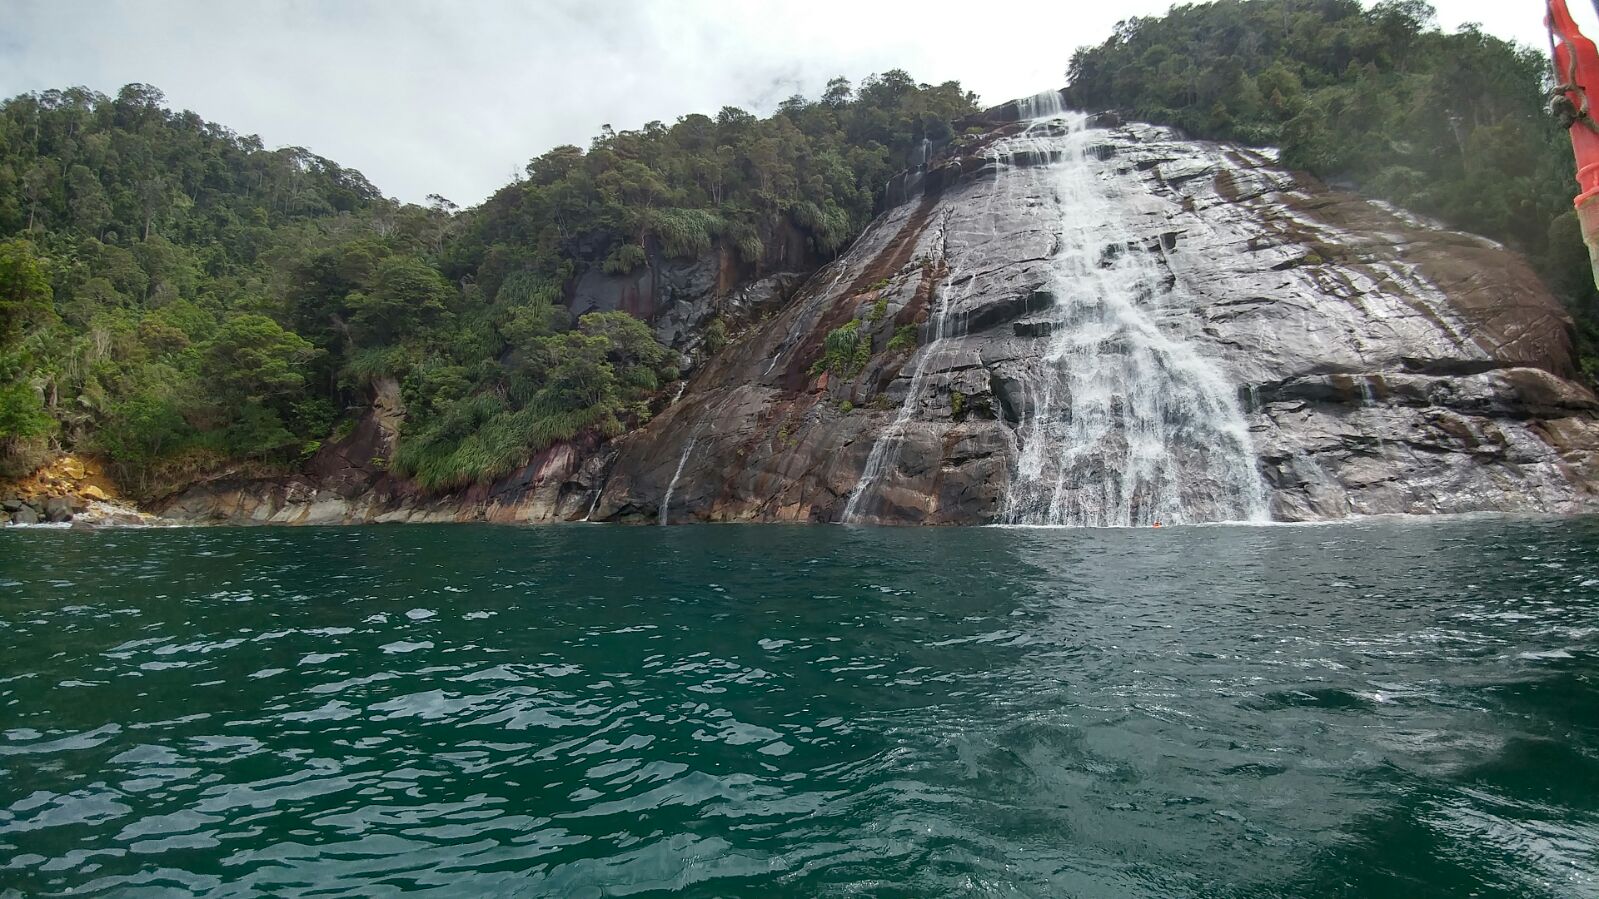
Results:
[1040, 106]
[1128, 426]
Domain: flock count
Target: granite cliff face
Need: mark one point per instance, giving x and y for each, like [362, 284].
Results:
[1112, 326]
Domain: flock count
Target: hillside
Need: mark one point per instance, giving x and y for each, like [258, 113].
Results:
[186, 304]
[185, 301]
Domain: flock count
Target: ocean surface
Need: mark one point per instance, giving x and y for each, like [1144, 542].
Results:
[1384, 708]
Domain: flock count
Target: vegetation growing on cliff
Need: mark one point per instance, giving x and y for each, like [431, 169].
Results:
[845, 351]
[184, 299]
[24, 307]
[1447, 125]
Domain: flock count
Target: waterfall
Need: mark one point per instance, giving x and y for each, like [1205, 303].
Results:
[1123, 423]
[599, 494]
[1040, 106]
[666, 502]
[1128, 424]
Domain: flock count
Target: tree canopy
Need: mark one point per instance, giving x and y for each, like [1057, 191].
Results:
[183, 299]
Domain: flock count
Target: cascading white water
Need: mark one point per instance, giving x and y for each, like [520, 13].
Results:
[1369, 405]
[1122, 423]
[1127, 425]
[1044, 105]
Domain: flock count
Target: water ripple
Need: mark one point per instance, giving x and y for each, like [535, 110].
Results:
[1353, 710]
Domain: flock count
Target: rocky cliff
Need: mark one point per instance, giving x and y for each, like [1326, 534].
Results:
[1064, 319]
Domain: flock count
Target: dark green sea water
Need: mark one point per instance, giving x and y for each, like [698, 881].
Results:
[1375, 709]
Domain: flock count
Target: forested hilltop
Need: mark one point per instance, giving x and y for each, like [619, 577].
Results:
[181, 299]
[1452, 126]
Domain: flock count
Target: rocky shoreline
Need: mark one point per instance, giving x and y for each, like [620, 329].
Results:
[70, 491]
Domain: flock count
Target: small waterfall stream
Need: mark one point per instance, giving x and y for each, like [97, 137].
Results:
[886, 450]
[1129, 425]
[682, 462]
[1372, 410]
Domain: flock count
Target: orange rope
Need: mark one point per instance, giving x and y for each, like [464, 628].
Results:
[1578, 113]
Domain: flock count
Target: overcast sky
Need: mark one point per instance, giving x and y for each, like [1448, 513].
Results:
[428, 96]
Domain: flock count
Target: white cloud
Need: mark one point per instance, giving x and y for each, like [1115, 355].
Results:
[426, 96]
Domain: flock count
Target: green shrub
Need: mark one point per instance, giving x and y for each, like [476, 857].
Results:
[366, 366]
[904, 338]
[715, 336]
[342, 430]
[685, 233]
[747, 241]
[624, 259]
[22, 412]
[845, 351]
[495, 446]
[828, 223]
